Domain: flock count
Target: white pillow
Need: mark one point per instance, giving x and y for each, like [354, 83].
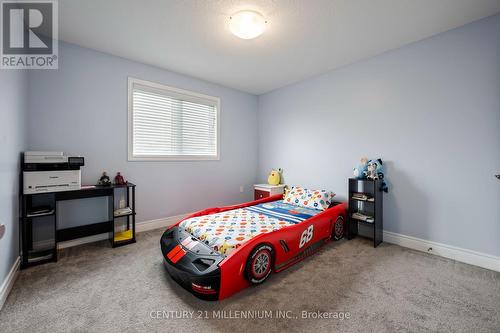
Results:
[316, 199]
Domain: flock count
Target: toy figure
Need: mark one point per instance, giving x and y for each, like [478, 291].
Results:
[119, 180]
[371, 172]
[361, 171]
[104, 180]
[376, 171]
[275, 177]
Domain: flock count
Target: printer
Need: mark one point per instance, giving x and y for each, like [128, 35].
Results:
[51, 172]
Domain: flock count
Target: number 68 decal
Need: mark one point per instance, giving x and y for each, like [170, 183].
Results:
[306, 236]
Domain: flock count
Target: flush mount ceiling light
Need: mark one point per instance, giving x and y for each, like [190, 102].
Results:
[247, 24]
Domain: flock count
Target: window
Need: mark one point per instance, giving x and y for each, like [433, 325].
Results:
[171, 124]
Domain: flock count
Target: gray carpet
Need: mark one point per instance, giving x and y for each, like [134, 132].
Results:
[94, 288]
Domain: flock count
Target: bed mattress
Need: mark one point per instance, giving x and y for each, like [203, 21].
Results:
[228, 230]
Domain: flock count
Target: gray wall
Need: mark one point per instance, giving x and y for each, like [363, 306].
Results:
[430, 110]
[82, 109]
[13, 106]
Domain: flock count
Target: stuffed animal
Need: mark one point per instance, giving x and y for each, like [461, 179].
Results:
[361, 170]
[375, 170]
[371, 170]
[275, 177]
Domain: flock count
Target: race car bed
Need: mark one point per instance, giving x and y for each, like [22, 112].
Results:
[219, 251]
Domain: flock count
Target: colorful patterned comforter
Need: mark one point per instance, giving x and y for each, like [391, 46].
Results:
[228, 230]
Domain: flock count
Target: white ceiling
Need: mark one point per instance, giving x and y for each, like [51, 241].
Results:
[303, 37]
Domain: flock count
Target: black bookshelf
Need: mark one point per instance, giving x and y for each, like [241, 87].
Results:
[369, 203]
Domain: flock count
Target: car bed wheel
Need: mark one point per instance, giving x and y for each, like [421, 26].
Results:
[338, 228]
[259, 264]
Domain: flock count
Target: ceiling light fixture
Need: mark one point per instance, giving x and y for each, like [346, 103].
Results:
[247, 24]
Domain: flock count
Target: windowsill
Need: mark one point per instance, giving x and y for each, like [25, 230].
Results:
[179, 158]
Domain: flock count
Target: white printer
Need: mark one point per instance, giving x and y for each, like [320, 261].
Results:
[51, 172]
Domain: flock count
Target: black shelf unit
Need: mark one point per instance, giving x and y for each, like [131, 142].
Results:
[130, 202]
[31, 256]
[372, 207]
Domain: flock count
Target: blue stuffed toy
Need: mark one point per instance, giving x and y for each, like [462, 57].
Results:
[375, 170]
[371, 169]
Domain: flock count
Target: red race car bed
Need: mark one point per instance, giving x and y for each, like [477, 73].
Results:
[220, 251]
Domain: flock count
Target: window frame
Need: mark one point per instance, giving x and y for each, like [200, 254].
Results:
[174, 92]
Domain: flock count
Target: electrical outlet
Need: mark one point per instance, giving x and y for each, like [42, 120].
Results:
[242, 189]
[2, 230]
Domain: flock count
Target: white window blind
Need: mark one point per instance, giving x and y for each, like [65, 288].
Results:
[168, 123]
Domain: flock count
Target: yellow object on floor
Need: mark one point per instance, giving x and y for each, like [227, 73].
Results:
[124, 235]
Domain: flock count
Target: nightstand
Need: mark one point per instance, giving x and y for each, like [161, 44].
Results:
[266, 190]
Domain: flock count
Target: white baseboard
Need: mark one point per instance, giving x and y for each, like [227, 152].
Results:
[159, 223]
[139, 227]
[447, 251]
[83, 240]
[48, 243]
[9, 282]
